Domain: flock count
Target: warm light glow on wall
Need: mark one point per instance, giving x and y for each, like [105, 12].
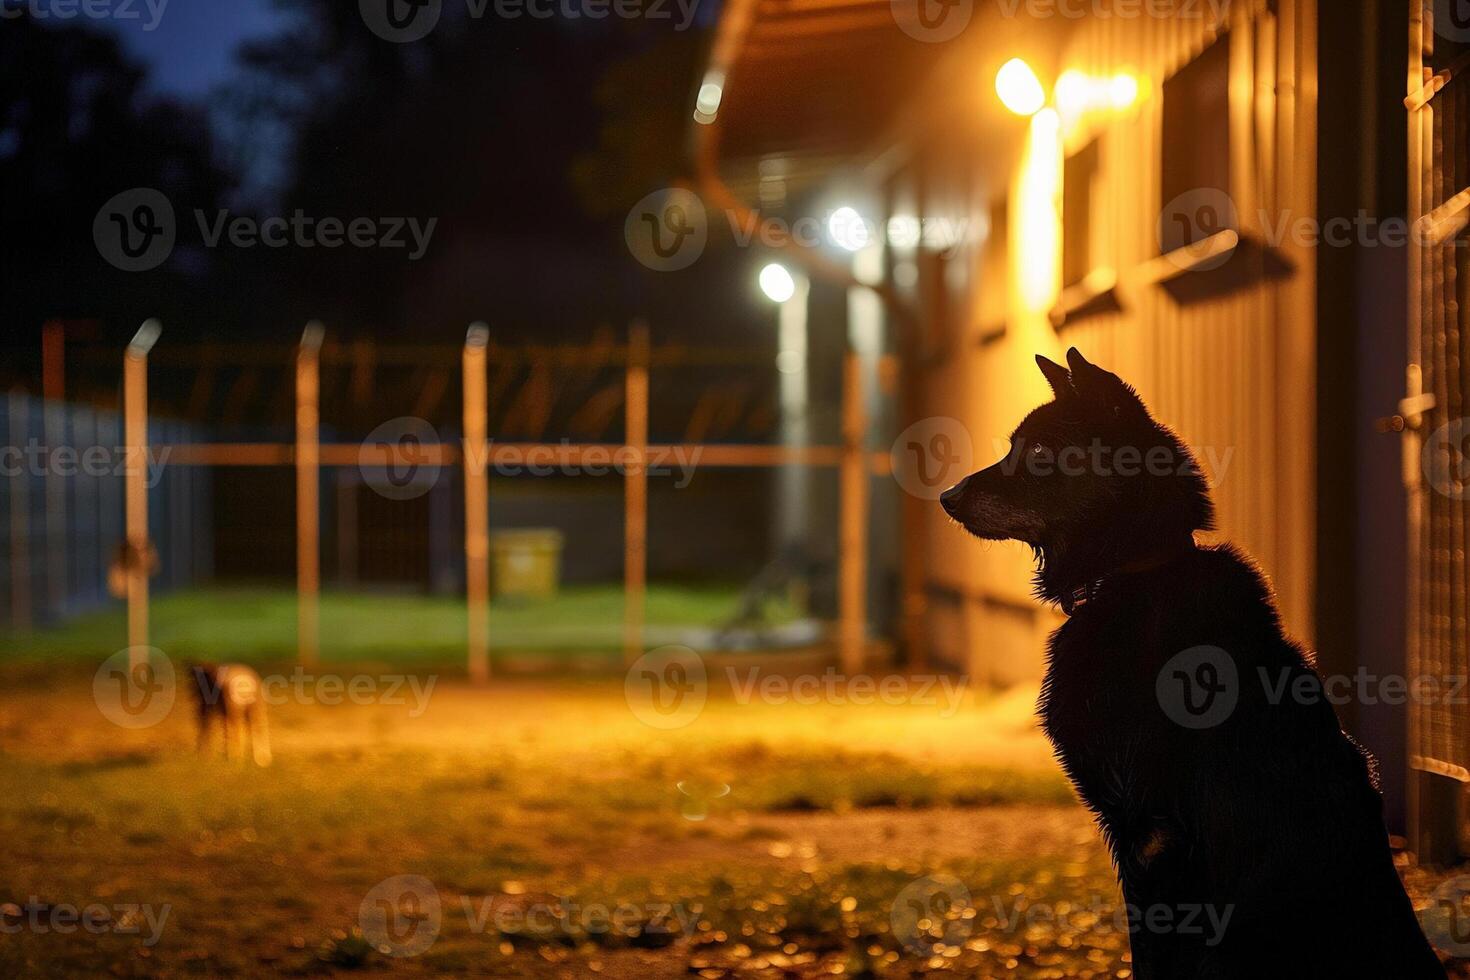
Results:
[1038, 230]
[1078, 93]
[1019, 88]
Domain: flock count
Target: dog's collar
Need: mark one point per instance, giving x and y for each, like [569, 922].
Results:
[1075, 599]
[1080, 596]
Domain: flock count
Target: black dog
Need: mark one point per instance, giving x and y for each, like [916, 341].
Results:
[1246, 827]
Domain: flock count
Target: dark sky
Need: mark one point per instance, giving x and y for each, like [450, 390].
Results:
[192, 47]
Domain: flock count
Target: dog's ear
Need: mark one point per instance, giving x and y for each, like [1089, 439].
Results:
[1058, 377]
[1102, 388]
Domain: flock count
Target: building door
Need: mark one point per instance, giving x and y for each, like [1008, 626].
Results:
[1434, 418]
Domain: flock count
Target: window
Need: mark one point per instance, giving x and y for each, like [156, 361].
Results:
[1078, 182]
[1196, 151]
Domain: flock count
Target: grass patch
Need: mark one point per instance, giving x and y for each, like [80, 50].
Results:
[258, 625]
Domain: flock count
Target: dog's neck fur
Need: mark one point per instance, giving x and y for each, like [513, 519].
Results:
[1065, 573]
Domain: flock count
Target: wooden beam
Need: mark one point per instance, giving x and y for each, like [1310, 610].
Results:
[853, 536]
[135, 434]
[477, 503]
[308, 493]
[635, 493]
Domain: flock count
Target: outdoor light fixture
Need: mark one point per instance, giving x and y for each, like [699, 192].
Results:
[707, 102]
[1078, 93]
[777, 283]
[848, 229]
[1019, 88]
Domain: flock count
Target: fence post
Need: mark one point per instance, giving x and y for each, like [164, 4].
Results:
[635, 492]
[139, 549]
[477, 502]
[308, 493]
[853, 535]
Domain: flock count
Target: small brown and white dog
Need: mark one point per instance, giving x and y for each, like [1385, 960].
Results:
[231, 694]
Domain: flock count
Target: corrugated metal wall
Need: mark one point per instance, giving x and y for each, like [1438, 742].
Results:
[1233, 373]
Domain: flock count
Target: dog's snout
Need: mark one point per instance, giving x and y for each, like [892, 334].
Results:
[951, 497]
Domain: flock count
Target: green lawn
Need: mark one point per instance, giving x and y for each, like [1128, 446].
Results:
[258, 625]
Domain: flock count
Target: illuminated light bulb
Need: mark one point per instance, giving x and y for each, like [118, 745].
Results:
[777, 283]
[707, 102]
[1074, 92]
[848, 229]
[1019, 88]
[1123, 91]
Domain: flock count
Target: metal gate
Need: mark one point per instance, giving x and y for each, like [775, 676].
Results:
[1437, 445]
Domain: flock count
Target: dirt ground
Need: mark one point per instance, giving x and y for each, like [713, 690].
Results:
[543, 829]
